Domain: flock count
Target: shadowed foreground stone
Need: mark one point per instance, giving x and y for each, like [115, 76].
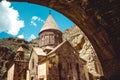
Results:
[100, 21]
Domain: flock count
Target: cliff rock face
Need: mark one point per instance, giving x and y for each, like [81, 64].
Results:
[81, 43]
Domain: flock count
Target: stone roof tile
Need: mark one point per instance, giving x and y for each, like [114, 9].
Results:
[50, 24]
[39, 51]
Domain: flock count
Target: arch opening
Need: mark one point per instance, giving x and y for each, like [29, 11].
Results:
[97, 36]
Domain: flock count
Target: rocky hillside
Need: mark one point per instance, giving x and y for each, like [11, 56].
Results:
[8, 48]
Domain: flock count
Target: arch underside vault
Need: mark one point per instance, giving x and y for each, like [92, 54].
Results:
[99, 20]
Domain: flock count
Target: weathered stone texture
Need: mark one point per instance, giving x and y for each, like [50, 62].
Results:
[81, 43]
[57, 62]
[99, 20]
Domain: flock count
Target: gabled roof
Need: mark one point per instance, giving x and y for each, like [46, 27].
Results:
[50, 24]
[62, 45]
[20, 49]
[39, 51]
[56, 47]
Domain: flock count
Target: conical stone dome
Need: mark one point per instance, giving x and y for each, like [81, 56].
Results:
[50, 34]
[50, 24]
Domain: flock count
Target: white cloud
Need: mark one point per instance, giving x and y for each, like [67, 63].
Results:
[9, 19]
[35, 19]
[32, 36]
[33, 23]
[21, 36]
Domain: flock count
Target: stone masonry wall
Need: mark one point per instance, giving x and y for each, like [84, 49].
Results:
[81, 43]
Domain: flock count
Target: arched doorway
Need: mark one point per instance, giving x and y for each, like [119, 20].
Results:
[95, 33]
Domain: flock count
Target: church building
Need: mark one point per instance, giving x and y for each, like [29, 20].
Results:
[54, 59]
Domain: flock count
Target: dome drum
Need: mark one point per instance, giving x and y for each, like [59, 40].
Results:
[50, 37]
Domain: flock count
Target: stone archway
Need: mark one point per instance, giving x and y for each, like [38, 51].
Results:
[92, 24]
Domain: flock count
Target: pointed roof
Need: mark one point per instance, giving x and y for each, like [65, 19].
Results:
[50, 24]
[20, 49]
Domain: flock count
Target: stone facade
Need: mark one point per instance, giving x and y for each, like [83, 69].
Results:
[81, 44]
[50, 37]
[10, 75]
[62, 63]
[20, 70]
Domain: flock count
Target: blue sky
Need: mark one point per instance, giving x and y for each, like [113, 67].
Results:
[24, 20]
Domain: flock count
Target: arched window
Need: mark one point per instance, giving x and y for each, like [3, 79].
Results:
[60, 70]
[78, 71]
[42, 40]
[46, 39]
[32, 63]
[52, 38]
